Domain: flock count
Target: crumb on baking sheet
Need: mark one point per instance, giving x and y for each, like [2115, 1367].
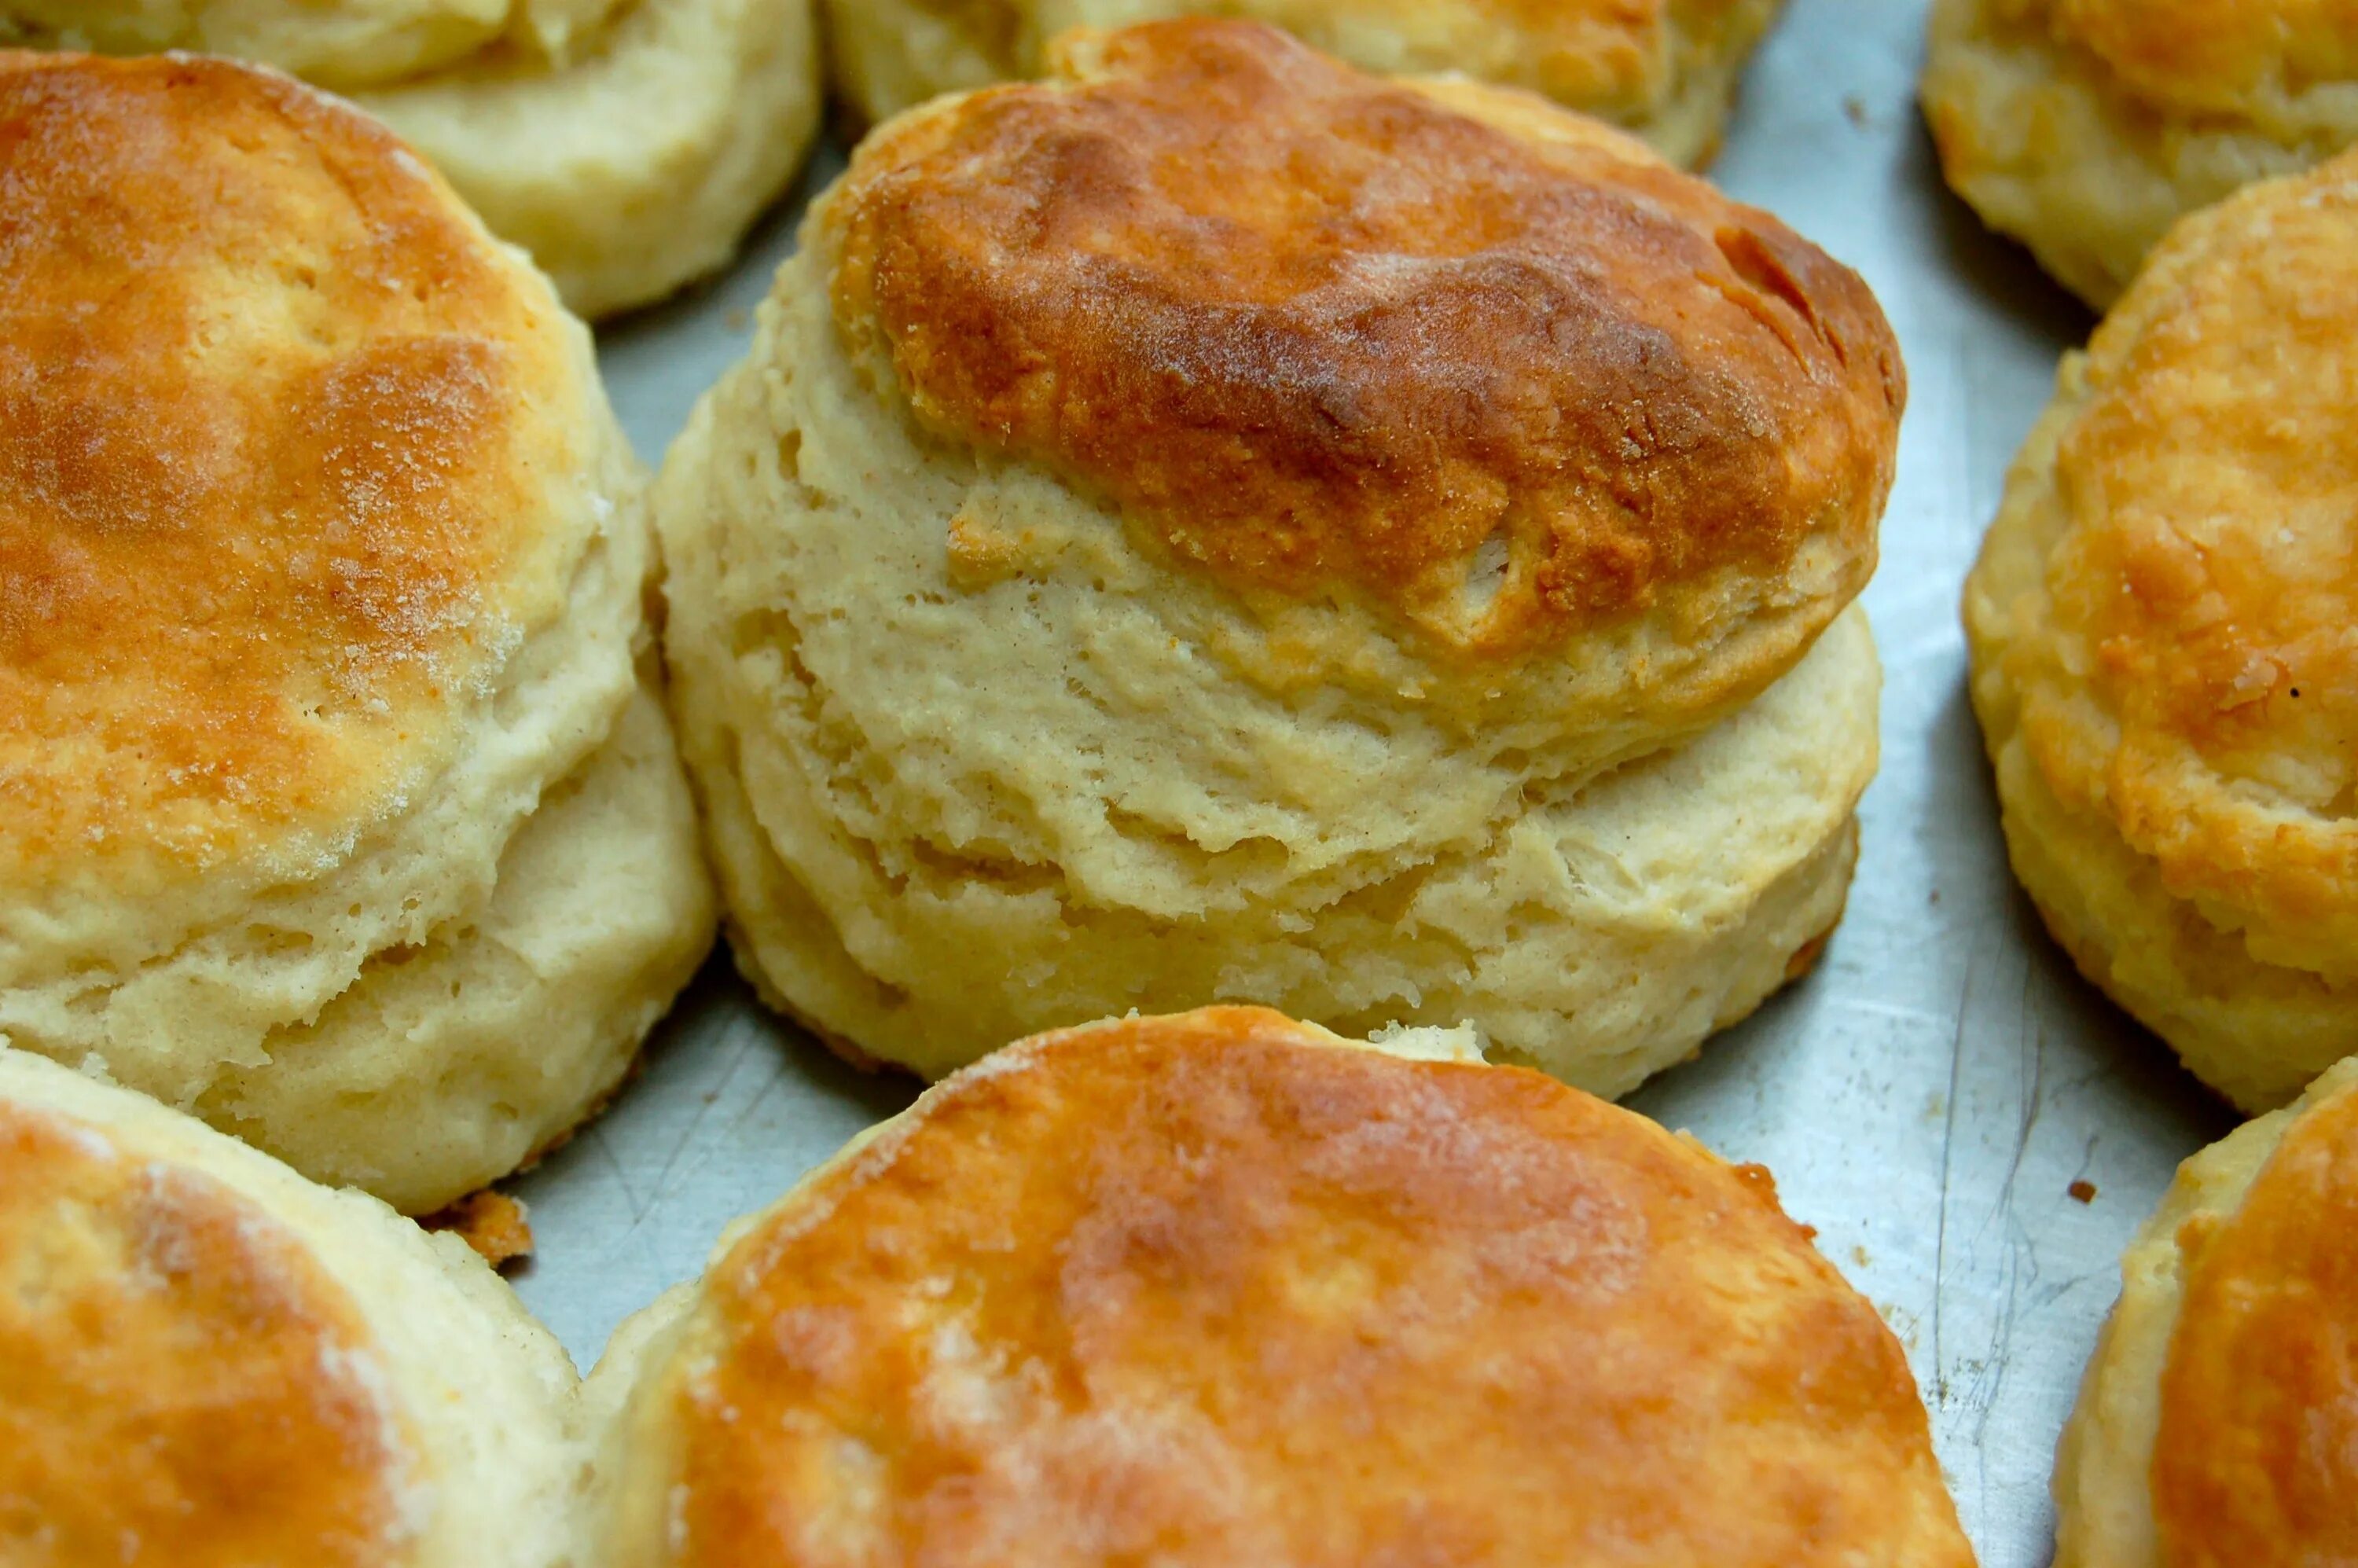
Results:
[496, 1225]
[2083, 1191]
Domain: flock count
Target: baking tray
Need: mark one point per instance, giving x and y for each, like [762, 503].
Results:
[1927, 1098]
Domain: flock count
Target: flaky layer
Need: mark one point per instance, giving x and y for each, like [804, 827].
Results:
[1664, 68]
[448, 1065]
[636, 166]
[2161, 626]
[1043, 1317]
[974, 764]
[344, 44]
[2086, 128]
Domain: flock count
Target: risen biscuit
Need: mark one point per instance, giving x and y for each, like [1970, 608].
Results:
[1665, 69]
[332, 806]
[1223, 527]
[2218, 1421]
[627, 143]
[1220, 1288]
[2086, 127]
[2163, 656]
[208, 1362]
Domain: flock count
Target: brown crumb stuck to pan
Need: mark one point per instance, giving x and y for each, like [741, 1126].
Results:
[496, 1225]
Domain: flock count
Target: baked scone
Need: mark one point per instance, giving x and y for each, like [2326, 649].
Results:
[208, 1362]
[2085, 129]
[337, 804]
[1220, 1288]
[627, 143]
[2218, 1421]
[2163, 660]
[1664, 68]
[1219, 527]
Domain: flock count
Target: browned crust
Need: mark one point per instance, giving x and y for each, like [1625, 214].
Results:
[179, 1381]
[2200, 586]
[497, 1226]
[1217, 1288]
[1324, 334]
[2256, 1456]
[263, 385]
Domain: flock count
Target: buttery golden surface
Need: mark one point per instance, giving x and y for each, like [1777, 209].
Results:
[1493, 367]
[179, 1382]
[2255, 1461]
[2213, 567]
[2163, 628]
[1220, 1288]
[269, 467]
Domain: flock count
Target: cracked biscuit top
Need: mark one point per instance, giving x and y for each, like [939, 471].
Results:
[1437, 348]
[275, 467]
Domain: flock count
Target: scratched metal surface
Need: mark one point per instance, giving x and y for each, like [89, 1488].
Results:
[1925, 1099]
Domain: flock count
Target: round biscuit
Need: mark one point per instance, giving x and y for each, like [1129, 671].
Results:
[1222, 1288]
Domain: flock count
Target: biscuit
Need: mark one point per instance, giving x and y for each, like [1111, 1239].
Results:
[2214, 1422]
[2161, 659]
[627, 143]
[1224, 1288]
[1223, 527]
[2085, 129]
[336, 803]
[205, 1359]
[1666, 69]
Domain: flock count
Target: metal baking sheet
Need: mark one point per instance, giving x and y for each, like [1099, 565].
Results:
[1926, 1098]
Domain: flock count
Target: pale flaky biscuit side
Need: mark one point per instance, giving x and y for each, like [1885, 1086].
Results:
[636, 164]
[1666, 69]
[2212, 1422]
[2162, 662]
[1064, 621]
[627, 145]
[205, 1359]
[327, 561]
[1221, 1287]
[2085, 129]
[447, 1065]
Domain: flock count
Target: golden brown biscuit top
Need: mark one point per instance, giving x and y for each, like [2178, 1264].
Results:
[1217, 1289]
[271, 467]
[2255, 1459]
[2210, 570]
[179, 1381]
[2212, 55]
[1321, 333]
